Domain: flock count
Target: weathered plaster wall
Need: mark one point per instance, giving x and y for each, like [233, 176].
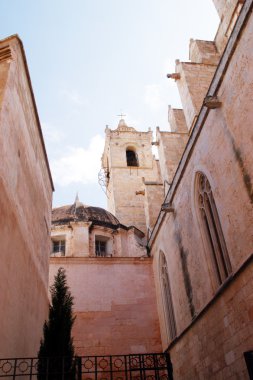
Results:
[80, 240]
[25, 209]
[115, 305]
[213, 347]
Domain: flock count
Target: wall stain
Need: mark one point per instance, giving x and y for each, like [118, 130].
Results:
[238, 156]
[246, 177]
[186, 275]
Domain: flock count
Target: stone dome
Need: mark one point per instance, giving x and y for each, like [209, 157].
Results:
[79, 212]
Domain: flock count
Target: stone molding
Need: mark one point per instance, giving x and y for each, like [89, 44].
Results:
[101, 260]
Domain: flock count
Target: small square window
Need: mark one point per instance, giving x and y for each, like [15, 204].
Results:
[58, 248]
[100, 248]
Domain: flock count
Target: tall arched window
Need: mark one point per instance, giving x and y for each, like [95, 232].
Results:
[210, 223]
[167, 298]
[131, 157]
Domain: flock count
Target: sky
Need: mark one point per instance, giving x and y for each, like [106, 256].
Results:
[90, 61]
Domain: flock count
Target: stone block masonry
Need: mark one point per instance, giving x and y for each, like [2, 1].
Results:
[213, 347]
[25, 208]
[115, 305]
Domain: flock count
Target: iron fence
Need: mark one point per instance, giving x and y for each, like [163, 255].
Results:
[116, 367]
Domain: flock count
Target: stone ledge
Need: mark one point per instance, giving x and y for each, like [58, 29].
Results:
[100, 260]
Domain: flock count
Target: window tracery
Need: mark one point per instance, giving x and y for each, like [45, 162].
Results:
[212, 230]
[167, 297]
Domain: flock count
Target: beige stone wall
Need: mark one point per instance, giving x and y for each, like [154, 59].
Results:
[195, 79]
[129, 207]
[228, 11]
[203, 52]
[170, 149]
[124, 180]
[25, 208]
[213, 346]
[177, 120]
[114, 301]
[154, 196]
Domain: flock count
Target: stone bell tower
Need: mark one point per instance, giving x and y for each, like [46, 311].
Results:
[128, 163]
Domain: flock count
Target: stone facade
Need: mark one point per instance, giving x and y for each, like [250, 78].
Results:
[194, 205]
[114, 304]
[125, 187]
[112, 284]
[170, 267]
[193, 83]
[25, 208]
[206, 311]
[212, 314]
[228, 12]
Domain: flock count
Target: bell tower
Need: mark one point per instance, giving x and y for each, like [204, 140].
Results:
[128, 160]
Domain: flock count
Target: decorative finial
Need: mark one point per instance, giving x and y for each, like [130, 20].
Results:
[77, 203]
[77, 198]
[121, 115]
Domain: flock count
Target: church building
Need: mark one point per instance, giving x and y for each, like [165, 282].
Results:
[169, 266]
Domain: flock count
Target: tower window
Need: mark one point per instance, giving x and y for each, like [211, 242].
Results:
[131, 157]
[211, 227]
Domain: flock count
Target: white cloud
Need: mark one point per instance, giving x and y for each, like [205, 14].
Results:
[51, 133]
[74, 97]
[133, 121]
[153, 96]
[168, 66]
[79, 165]
[157, 95]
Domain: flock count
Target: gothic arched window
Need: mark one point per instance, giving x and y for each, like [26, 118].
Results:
[210, 224]
[167, 298]
[131, 157]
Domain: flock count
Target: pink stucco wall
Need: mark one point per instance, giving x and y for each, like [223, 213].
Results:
[114, 304]
[25, 209]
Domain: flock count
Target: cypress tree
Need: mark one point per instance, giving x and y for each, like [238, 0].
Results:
[57, 342]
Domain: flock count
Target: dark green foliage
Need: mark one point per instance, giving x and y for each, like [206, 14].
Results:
[57, 342]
